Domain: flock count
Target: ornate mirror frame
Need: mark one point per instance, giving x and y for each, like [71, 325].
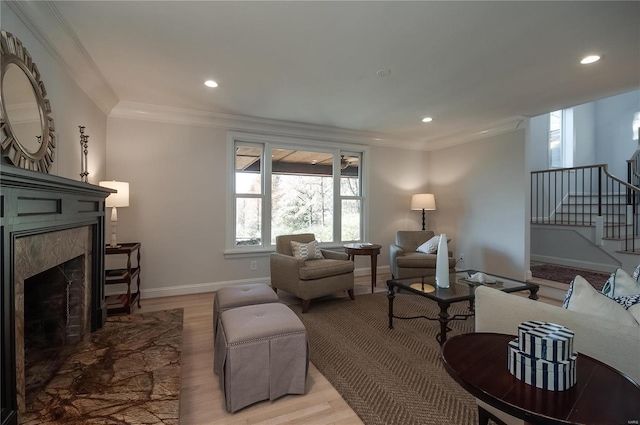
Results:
[13, 52]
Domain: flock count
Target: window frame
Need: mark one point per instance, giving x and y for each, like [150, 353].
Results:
[269, 143]
[567, 139]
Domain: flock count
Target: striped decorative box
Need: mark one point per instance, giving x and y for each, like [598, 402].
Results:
[543, 356]
[545, 340]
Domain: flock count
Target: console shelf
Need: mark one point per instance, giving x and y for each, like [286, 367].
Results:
[125, 302]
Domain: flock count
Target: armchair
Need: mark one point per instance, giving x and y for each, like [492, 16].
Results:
[407, 262]
[309, 279]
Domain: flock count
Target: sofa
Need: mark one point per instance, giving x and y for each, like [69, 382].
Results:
[406, 262]
[610, 341]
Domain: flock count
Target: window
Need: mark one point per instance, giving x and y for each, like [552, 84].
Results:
[636, 125]
[561, 138]
[283, 187]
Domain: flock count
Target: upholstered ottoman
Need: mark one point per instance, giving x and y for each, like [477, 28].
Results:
[261, 353]
[239, 296]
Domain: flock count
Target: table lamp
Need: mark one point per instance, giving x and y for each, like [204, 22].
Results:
[115, 200]
[424, 202]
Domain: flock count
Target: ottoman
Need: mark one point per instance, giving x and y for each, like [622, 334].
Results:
[241, 295]
[261, 353]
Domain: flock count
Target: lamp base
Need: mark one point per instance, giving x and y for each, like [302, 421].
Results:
[423, 287]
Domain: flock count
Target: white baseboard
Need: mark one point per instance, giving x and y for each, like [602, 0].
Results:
[202, 288]
[574, 263]
[197, 288]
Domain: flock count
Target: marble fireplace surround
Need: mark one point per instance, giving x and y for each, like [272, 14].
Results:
[35, 254]
[36, 210]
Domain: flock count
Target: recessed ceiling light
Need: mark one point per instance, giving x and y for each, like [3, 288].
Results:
[427, 119]
[383, 73]
[210, 83]
[590, 59]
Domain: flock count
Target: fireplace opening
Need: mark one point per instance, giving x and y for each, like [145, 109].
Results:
[54, 322]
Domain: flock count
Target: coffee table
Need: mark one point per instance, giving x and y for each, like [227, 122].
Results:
[601, 395]
[460, 290]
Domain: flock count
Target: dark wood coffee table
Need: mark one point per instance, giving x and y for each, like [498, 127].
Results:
[601, 395]
[460, 290]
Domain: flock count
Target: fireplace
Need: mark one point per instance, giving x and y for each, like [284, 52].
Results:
[52, 277]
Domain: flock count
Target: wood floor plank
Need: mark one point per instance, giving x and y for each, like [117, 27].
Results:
[201, 400]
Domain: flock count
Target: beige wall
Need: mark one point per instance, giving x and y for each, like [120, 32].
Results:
[178, 184]
[70, 107]
[481, 192]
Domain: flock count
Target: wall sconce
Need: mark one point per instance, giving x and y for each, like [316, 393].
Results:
[116, 200]
[424, 202]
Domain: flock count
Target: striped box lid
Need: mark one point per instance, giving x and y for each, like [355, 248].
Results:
[545, 340]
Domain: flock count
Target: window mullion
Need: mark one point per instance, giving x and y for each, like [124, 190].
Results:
[266, 190]
[337, 198]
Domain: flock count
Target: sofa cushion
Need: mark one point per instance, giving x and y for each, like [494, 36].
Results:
[306, 251]
[417, 259]
[430, 246]
[620, 284]
[635, 312]
[316, 269]
[583, 297]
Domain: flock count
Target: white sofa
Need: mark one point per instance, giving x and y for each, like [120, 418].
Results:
[612, 343]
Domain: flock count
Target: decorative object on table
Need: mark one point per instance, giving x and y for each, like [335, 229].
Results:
[84, 150]
[481, 278]
[27, 131]
[543, 356]
[116, 200]
[442, 263]
[424, 202]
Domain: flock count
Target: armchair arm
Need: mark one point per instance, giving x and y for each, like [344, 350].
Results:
[284, 272]
[394, 252]
[334, 255]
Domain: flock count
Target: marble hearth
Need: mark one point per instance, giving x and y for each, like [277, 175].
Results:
[35, 256]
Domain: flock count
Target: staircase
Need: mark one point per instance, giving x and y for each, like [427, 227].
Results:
[592, 202]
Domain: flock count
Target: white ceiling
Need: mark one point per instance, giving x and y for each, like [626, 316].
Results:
[469, 65]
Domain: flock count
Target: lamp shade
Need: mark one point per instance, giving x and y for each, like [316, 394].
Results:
[423, 201]
[120, 199]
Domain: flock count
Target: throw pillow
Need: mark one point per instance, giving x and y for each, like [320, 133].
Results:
[430, 246]
[584, 298]
[306, 251]
[635, 312]
[636, 273]
[620, 284]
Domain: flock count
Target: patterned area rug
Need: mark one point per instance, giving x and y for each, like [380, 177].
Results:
[564, 274]
[126, 373]
[388, 376]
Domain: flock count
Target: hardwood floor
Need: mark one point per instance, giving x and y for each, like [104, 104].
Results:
[201, 401]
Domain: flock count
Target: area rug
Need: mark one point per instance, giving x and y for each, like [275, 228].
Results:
[564, 274]
[388, 376]
[126, 373]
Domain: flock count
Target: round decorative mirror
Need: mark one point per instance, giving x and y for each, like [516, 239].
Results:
[26, 126]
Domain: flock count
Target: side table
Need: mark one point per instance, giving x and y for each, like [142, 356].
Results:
[122, 303]
[353, 249]
[601, 395]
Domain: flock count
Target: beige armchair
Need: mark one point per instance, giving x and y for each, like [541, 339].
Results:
[308, 279]
[407, 262]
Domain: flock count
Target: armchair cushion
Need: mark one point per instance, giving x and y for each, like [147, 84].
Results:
[316, 269]
[306, 251]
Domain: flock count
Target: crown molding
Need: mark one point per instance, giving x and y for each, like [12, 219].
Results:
[47, 25]
[496, 128]
[168, 114]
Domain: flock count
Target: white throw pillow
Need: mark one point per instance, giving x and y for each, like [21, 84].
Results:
[306, 251]
[635, 312]
[430, 246]
[584, 298]
[620, 284]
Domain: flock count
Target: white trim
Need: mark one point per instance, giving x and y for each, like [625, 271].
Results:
[47, 24]
[199, 288]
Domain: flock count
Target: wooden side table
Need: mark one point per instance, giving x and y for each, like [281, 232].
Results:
[601, 395]
[353, 249]
[117, 304]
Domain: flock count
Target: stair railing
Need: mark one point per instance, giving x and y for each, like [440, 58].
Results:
[633, 169]
[586, 196]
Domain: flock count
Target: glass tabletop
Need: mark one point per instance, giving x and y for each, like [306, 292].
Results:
[461, 287]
